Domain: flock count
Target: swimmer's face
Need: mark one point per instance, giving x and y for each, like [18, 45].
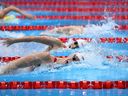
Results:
[72, 59]
[74, 45]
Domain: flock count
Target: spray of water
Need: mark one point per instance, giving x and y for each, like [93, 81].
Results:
[103, 28]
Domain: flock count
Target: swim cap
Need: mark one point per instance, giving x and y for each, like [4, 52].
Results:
[81, 43]
[11, 19]
[70, 41]
[80, 56]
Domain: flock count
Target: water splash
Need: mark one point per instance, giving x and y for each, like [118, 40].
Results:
[104, 27]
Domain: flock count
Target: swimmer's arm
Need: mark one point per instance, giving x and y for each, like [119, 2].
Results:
[49, 48]
[63, 29]
[69, 30]
[68, 27]
[51, 41]
[27, 61]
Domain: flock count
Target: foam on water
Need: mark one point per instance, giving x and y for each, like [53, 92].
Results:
[103, 28]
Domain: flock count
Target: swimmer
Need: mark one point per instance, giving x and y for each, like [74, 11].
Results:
[36, 60]
[68, 30]
[8, 9]
[52, 42]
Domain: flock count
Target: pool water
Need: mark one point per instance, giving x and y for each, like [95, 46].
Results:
[95, 67]
[66, 92]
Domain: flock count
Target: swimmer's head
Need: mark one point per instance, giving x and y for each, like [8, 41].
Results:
[75, 57]
[78, 56]
[76, 44]
[11, 19]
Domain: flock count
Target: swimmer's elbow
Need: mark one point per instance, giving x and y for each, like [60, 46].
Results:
[47, 54]
[49, 49]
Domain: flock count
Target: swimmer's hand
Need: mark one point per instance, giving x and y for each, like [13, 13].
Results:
[3, 70]
[8, 42]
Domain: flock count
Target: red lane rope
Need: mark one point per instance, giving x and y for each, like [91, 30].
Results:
[120, 58]
[64, 85]
[38, 27]
[79, 9]
[67, 3]
[69, 17]
[117, 40]
[64, 0]
[11, 28]
[78, 17]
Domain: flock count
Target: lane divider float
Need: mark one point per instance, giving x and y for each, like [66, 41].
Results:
[64, 85]
[59, 0]
[43, 27]
[79, 9]
[80, 3]
[120, 17]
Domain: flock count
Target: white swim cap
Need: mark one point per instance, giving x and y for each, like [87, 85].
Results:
[70, 41]
[81, 42]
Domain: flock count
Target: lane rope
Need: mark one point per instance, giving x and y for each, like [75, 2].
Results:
[61, 0]
[82, 3]
[43, 27]
[120, 17]
[79, 9]
[64, 85]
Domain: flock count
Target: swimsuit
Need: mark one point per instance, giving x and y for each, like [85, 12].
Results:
[55, 59]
